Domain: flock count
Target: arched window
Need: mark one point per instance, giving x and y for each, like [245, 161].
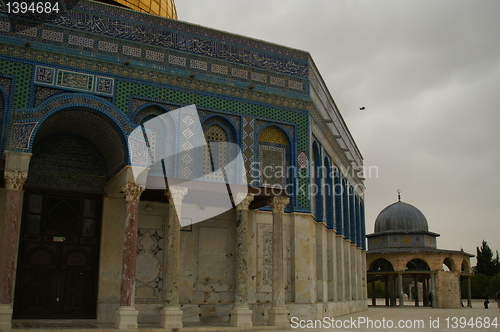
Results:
[328, 196]
[316, 190]
[338, 201]
[448, 264]
[161, 142]
[417, 264]
[352, 215]
[363, 225]
[148, 113]
[273, 157]
[465, 266]
[345, 206]
[215, 155]
[358, 220]
[381, 265]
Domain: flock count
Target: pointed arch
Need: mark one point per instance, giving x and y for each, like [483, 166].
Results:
[381, 265]
[273, 156]
[328, 195]
[417, 264]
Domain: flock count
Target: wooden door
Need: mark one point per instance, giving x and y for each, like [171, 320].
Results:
[58, 256]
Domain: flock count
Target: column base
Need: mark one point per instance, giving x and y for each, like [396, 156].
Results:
[5, 316]
[171, 318]
[126, 318]
[278, 317]
[241, 317]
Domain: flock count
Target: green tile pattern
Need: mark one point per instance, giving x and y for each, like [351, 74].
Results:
[22, 73]
[127, 89]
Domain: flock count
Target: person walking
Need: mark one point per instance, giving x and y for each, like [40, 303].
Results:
[486, 301]
[497, 298]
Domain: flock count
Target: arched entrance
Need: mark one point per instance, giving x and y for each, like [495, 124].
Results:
[74, 154]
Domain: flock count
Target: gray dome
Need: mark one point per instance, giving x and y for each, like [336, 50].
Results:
[401, 217]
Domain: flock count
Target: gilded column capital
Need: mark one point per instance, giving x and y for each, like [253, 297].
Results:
[278, 204]
[175, 195]
[244, 201]
[132, 191]
[14, 180]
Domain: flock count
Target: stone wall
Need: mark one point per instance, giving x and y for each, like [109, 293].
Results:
[320, 279]
[448, 289]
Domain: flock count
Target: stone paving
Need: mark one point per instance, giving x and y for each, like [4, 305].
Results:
[378, 318]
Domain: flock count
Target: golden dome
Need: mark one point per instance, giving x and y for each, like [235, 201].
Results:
[165, 8]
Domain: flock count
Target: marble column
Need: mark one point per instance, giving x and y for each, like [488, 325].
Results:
[278, 314]
[9, 242]
[241, 315]
[374, 294]
[400, 290]
[340, 268]
[425, 296]
[469, 293]
[126, 315]
[387, 295]
[171, 314]
[393, 291]
[415, 282]
[433, 291]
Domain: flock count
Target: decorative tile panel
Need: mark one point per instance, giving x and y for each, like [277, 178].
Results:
[176, 60]
[152, 55]
[104, 85]
[26, 30]
[133, 51]
[239, 73]
[5, 26]
[101, 45]
[201, 65]
[42, 93]
[106, 20]
[259, 77]
[53, 35]
[45, 75]
[302, 160]
[295, 85]
[219, 69]
[80, 41]
[150, 244]
[108, 47]
[21, 134]
[68, 79]
[73, 80]
[276, 81]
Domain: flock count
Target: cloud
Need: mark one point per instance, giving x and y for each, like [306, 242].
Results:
[428, 74]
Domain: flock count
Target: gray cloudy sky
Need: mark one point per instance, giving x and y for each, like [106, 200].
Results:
[428, 73]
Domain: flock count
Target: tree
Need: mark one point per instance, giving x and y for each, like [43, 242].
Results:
[486, 264]
[479, 285]
[494, 285]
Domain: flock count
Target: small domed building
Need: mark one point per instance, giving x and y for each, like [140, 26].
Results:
[403, 253]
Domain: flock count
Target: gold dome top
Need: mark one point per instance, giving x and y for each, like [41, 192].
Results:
[165, 8]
